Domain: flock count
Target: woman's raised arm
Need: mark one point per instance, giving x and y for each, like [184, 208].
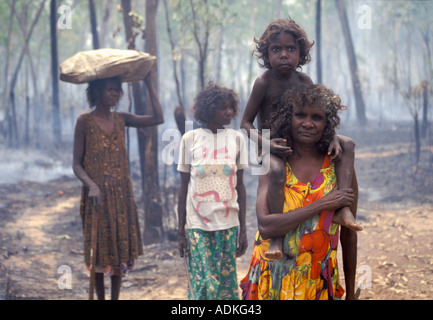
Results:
[157, 116]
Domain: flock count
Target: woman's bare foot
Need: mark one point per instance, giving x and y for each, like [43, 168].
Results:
[275, 250]
[344, 217]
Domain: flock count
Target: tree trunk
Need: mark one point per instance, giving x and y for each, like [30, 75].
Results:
[153, 210]
[13, 129]
[417, 138]
[12, 120]
[179, 112]
[136, 86]
[94, 24]
[27, 117]
[359, 101]
[26, 34]
[147, 138]
[319, 40]
[6, 58]
[424, 125]
[57, 131]
[104, 30]
[202, 45]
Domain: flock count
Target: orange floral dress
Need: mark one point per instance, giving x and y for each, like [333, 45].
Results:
[308, 269]
[105, 161]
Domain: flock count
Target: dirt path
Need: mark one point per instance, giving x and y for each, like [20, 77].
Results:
[41, 240]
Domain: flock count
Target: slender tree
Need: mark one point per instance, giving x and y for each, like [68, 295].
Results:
[6, 57]
[425, 95]
[148, 137]
[356, 84]
[202, 41]
[179, 112]
[93, 24]
[318, 41]
[13, 127]
[57, 128]
[136, 86]
[153, 208]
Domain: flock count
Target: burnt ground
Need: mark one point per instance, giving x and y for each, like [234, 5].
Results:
[40, 233]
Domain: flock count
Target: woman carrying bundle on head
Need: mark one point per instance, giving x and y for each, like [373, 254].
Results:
[100, 162]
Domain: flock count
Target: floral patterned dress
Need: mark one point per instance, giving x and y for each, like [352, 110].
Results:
[106, 163]
[308, 269]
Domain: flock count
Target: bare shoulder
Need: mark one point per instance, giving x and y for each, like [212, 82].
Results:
[81, 120]
[80, 128]
[304, 78]
[257, 96]
[345, 140]
[262, 81]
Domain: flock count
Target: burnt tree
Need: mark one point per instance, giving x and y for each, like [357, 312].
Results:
[353, 66]
[147, 137]
[152, 232]
[57, 129]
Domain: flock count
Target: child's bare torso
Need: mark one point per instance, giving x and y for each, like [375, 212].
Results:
[275, 88]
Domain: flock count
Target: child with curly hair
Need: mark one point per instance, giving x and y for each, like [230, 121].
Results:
[212, 196]
[283, 48]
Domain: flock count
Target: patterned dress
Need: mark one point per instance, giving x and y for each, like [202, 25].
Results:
[212, 210]
[212, 264]
[106, 163]
[308, 269]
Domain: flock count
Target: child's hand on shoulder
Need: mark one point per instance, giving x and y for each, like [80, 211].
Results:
[279, 147]
[335, 150]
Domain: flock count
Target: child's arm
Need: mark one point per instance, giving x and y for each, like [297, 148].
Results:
[181, 212]
[349, 244]
[334, 149]
[242, 199]
[156, 118]
[252, 107]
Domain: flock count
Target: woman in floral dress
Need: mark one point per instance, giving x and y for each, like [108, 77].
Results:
[308, 269]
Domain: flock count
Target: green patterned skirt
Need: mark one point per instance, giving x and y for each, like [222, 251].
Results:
[212, 264]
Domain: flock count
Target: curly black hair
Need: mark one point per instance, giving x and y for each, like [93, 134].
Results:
[273, 30]
[210, 99]
[96, 88]
[314, 94]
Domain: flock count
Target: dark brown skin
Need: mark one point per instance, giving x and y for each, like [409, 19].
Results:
[306, 162]
[222, 117]
[284, 56]
[104, 119]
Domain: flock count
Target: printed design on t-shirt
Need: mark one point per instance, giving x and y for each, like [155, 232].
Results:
[215, 181]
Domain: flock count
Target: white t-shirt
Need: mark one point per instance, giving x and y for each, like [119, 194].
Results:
[212, 161]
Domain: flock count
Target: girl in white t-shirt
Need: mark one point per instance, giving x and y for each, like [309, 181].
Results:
[212, 196]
